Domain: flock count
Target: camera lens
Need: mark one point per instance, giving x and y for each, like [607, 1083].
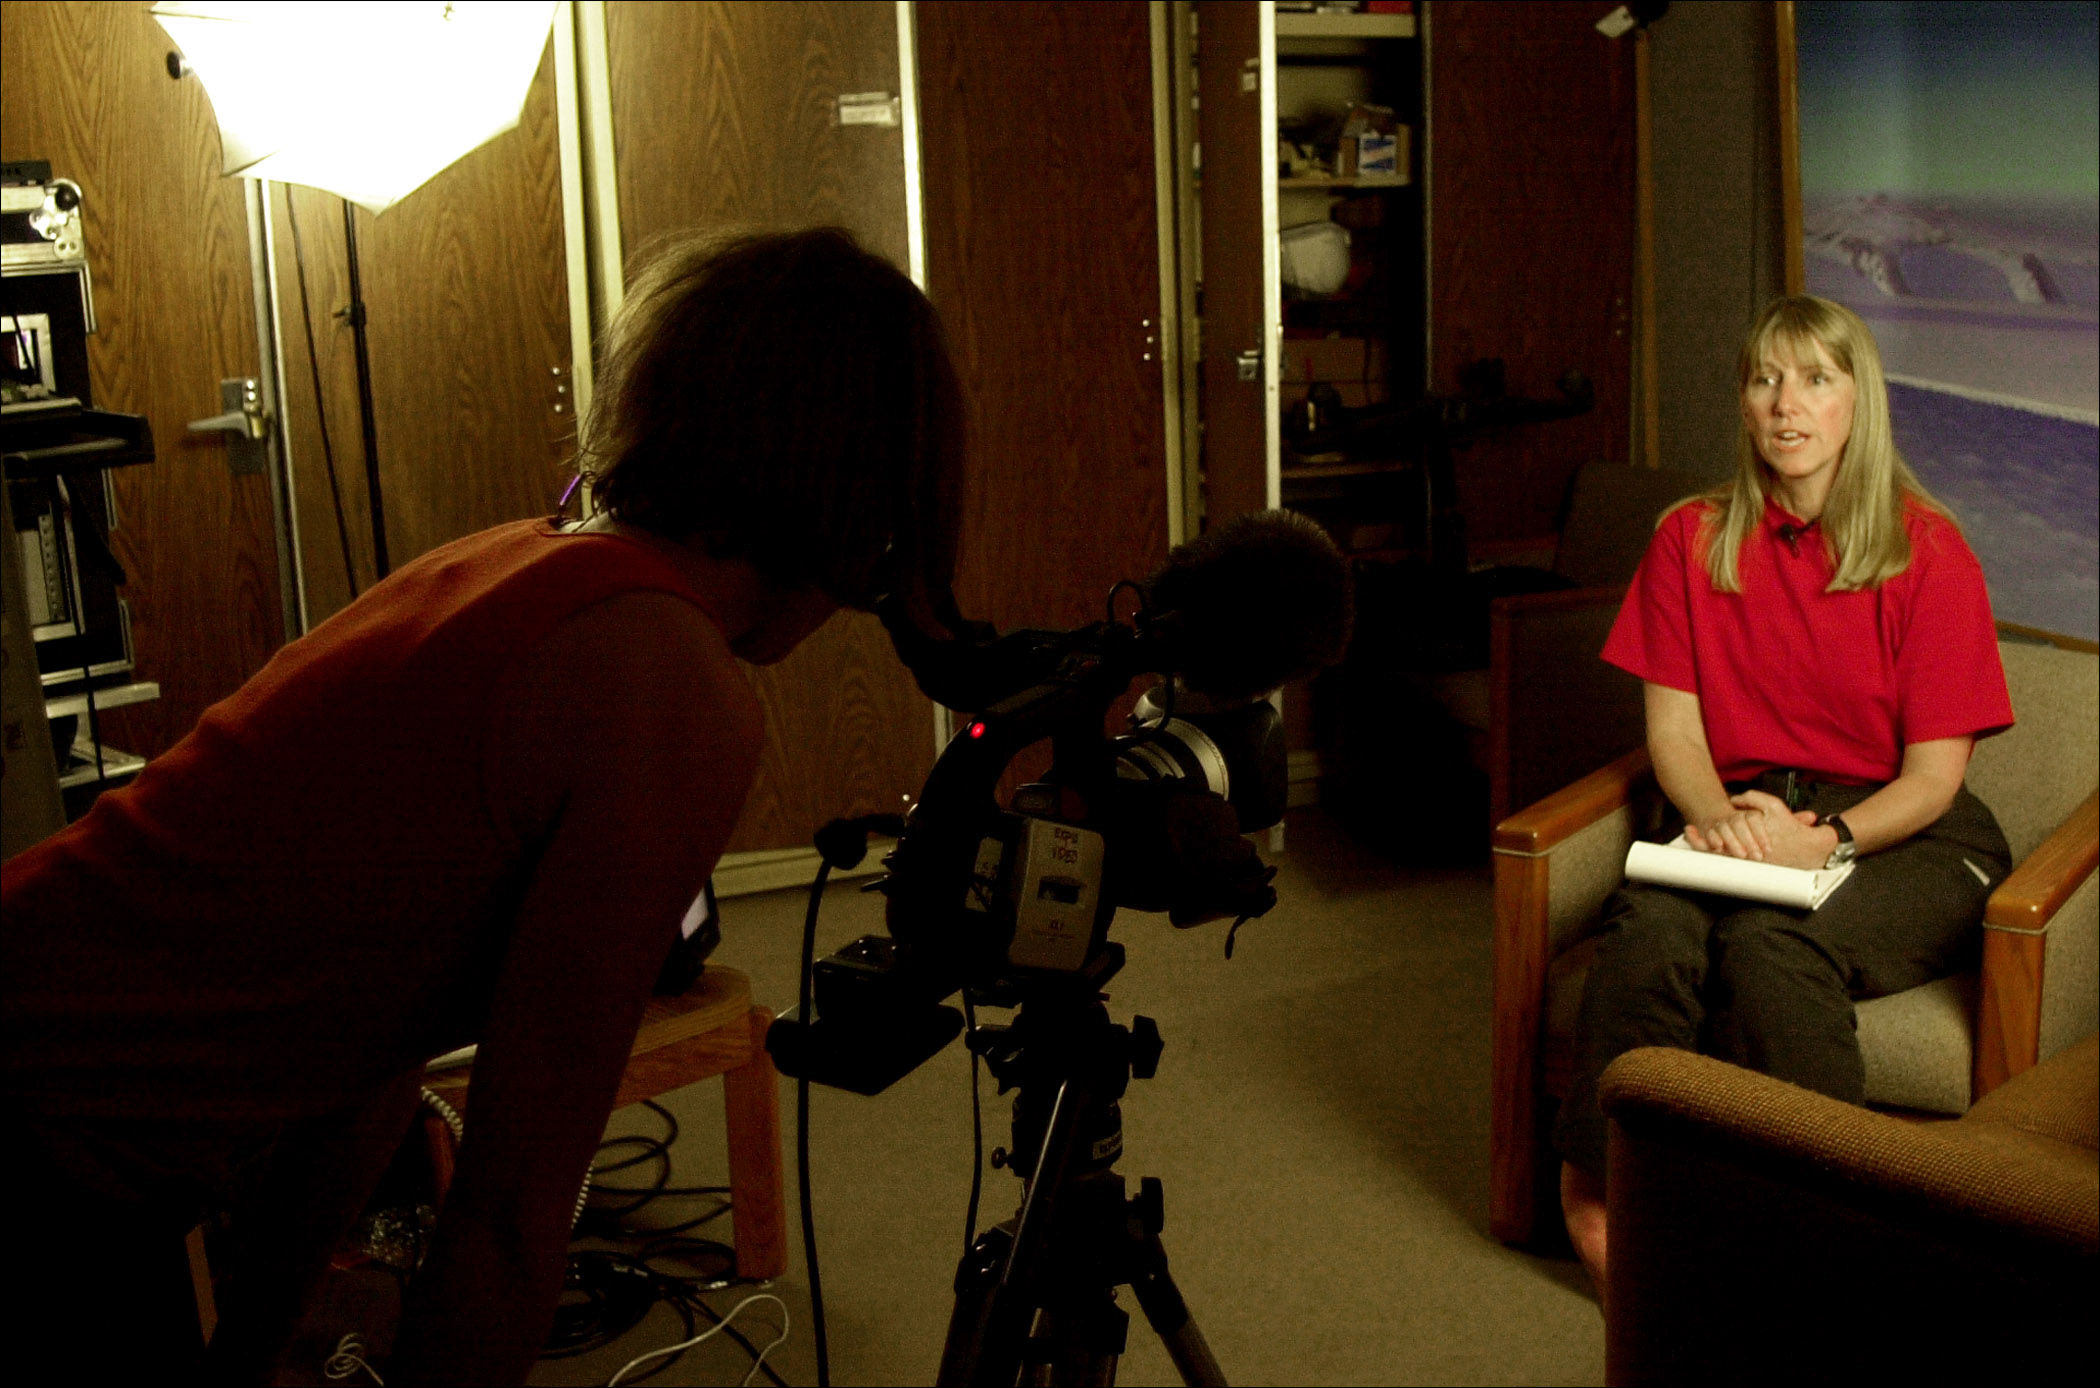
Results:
[1180, 751]
[1236, 752]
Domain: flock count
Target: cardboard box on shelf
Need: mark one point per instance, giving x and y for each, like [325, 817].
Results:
[1377, 156]
[1373, 158]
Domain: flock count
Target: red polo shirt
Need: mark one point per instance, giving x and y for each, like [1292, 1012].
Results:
[1791, 676]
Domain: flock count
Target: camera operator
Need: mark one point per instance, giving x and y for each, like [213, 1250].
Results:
[471, 807]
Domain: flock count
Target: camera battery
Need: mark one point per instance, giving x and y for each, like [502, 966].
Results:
[1057, 895]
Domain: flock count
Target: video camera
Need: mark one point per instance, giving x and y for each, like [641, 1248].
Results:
[1015, 902]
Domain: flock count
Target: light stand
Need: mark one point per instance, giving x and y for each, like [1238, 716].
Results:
[355, 316]
[428, 82]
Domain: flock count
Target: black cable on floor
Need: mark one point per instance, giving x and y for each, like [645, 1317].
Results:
[606, 1293]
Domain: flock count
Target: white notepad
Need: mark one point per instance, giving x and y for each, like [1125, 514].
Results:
[1678, 864]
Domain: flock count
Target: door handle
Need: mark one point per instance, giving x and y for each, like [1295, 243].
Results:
[245, 423]
[1249, 363]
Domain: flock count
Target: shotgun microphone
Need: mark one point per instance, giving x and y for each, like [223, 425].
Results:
[1262, 600]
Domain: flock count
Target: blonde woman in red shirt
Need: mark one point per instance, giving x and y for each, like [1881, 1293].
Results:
[1818, 655]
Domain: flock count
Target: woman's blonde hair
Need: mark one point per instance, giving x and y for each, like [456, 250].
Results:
[1862, 523]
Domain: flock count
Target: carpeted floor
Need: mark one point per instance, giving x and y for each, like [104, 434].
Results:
[1319, 1121]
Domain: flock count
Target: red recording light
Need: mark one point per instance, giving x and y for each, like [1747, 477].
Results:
[977, 730]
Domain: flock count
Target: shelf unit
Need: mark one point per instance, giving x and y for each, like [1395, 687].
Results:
[1320, 65]
[1324, 63]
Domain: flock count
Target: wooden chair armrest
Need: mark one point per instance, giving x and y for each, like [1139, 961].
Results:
[2040, 637]
[1538, 828]
[1524, 895]
[2028, 900]
[2016, 936]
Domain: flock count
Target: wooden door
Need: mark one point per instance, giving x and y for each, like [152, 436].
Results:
[466, 294]
[727, 113]
[1043, 258]
[1237, 143]
[1531, 249]
[85, 87]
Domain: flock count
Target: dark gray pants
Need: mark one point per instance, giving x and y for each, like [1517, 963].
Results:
[1772, 989]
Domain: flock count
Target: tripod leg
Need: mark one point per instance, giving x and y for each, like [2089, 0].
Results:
[1169, 1317]
[997, 1295]
[1081, 1341]
[970, 1324]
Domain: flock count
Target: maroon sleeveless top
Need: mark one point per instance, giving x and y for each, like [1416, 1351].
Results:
[311, 892]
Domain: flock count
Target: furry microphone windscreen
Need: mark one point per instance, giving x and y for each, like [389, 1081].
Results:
[1262, 600]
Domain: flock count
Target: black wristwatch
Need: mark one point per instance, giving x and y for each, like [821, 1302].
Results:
[1846, 850]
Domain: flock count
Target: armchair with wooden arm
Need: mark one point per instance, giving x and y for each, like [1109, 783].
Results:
[1933, 1049]
[1761, 1233]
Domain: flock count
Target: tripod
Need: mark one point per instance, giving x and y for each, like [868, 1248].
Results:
[1035, 1295]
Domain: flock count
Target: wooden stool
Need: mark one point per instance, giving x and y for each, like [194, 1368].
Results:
[712, 1030]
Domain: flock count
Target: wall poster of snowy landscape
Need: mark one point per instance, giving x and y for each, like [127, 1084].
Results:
[1950, 181]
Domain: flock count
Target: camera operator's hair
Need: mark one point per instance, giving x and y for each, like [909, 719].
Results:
[783, 398]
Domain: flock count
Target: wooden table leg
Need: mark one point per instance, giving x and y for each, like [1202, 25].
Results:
[757, 1213]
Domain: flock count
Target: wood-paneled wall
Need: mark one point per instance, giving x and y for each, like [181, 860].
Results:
[1042, 256]
[1531, 168]
[466, 294]
[725, 114]
[1043, 259]
[84, 86]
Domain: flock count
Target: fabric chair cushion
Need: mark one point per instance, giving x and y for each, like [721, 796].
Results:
[2035, 774]
[1919, 1046]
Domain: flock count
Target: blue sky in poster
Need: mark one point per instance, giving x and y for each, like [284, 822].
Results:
[1950, 170]
[1947, 99]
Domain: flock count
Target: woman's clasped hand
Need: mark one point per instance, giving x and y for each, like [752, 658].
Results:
[1763, 830]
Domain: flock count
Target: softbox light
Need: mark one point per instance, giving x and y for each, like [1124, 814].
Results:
[367, 100]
